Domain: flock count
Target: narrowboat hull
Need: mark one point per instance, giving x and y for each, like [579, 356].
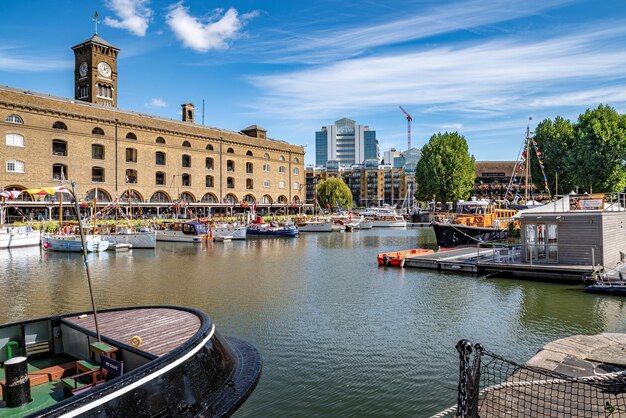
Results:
[607, 289]
[454, 235]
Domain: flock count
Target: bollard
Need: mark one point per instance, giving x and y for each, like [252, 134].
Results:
[17, 387]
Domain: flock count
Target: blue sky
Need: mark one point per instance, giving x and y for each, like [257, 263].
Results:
[481, 67]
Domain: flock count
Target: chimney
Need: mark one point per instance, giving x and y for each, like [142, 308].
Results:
[188, 111]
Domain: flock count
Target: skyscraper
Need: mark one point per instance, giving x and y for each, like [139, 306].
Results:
[345, 142]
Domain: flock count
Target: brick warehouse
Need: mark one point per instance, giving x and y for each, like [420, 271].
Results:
[122, 154]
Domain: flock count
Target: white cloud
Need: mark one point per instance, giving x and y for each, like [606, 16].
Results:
[156, 102]
[205, 34]
[134, 15]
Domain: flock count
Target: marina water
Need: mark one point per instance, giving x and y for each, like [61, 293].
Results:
[339, 336]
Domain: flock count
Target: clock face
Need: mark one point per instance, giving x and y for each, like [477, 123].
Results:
[82, 70]
[104, 69]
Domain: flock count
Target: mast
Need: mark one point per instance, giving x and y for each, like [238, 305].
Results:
[527, 165]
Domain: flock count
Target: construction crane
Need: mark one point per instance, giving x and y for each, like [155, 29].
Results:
[408, 126]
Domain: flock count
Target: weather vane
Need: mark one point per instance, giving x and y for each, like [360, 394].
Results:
[95, 20]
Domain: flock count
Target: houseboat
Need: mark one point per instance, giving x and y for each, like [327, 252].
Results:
[183, 232]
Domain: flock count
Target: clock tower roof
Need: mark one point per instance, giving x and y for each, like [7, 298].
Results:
[97, 40]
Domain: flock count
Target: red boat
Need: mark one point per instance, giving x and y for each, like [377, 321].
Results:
[396, 258]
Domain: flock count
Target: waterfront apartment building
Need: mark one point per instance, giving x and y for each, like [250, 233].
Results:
[494, 177]
[345, 142]
[112, 153]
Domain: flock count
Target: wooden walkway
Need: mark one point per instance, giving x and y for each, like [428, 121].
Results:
[160, 329]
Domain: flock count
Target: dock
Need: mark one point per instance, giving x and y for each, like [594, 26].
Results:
[496, 260]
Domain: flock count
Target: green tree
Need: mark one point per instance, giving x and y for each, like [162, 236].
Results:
[334, 192]
[554, 142]
[597, 160]
[446, 169]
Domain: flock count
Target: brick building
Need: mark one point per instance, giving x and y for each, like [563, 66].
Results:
[132, 156]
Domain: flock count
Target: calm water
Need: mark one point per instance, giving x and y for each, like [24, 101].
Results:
[339, 336]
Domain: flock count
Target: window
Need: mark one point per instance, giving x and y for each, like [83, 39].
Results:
[159, 158]
[230, 165]
[97, 131]
[266, 168]
[59, 125]
[230, 183]
[249, 153]
[186, 180]
[208, 163]
[187, 198]
[230, 151]
[104, 91]
[281, 184]
[296, 170]
[59, 148]
[296, 185]
[131, 136]
[266, 156]
[209, 198]
[15, 140]
[160, 178]
[97, 152]
[266, 199]
[59, 172]
[83, 91]
[281, 158]
[249, 168]
[282, 199]
[160, 140]
[14, 166]
[281, 169]
[14, 119]
[186, 160]
[131, 176]
[186, 144]
[249, 184]
[266, 183]
[208, 181]
[209, 147]
[97, 174]
[159, 197]
[296, 160]
[131, 155]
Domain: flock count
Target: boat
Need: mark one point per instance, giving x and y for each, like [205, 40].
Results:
[183, 232]
[260, 229]
[18, 236]
[222, 238]
[72, 243]
[362, 223]
[605, 282]
[384, 217]
[617, 289]
[124, 234]
[397, 258]
[473, 222]
[223, 229]
[313, 225]
[153, 361]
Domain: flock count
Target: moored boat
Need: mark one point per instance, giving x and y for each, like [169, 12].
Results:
[151, 361]
[223, 229]
[267, 230]
[18, 236]
[183, 232]
[72, 243]
[122, 234]
[397, 258]
[313, 225]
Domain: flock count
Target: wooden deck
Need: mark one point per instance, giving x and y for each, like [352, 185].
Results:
[160, 329]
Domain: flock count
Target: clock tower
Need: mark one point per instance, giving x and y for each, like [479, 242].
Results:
[95, 71]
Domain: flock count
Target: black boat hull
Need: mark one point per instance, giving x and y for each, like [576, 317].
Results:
[453, 235]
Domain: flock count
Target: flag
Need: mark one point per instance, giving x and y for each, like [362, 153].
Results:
[254, 208]
[11, 194]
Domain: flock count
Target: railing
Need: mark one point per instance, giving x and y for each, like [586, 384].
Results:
[541, 253]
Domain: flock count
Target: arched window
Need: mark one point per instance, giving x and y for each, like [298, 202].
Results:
[186, 179]
[296, 185]
[59, 147]
[134, 195]
[186, 144]
[159, 178]
[230, 183]
[249, 199]
[266, 199]
[15, 166]
[296, 160]
[160, 140]
[187, 197]
[249, 168]
[131, 176]
[97, 131]
[249, 153]
[160, 158]
[131, 155]
[99, 195]
[97, 174]
[14, 140]
[230, 165]
[209, 147]
[281, 169]
[296, 200]
[249, 184]
[208, 181]
[59, 172]
[97, 152]
[59, 125]
[14, 119]
[296, 170]
[230, 151]
[160, 197]
[230, 199]
[186, 160]
[281, 158]
[208, 163]
[266, 156]
[131, 136]
[282, 199]
[209, 198]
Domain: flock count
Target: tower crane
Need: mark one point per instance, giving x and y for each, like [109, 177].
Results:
[408, 126]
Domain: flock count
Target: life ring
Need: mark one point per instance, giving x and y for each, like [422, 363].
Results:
[135, 341]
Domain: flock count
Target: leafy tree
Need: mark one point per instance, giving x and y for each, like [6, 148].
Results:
[597, 160]
[334, 192]
[446, 169]
[554, 142]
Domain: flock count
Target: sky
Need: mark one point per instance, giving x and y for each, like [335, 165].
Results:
[479, 67]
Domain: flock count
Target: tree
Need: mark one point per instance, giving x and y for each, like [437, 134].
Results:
[333, 192]
[554, 142]
[597, 159]
[446, 169]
